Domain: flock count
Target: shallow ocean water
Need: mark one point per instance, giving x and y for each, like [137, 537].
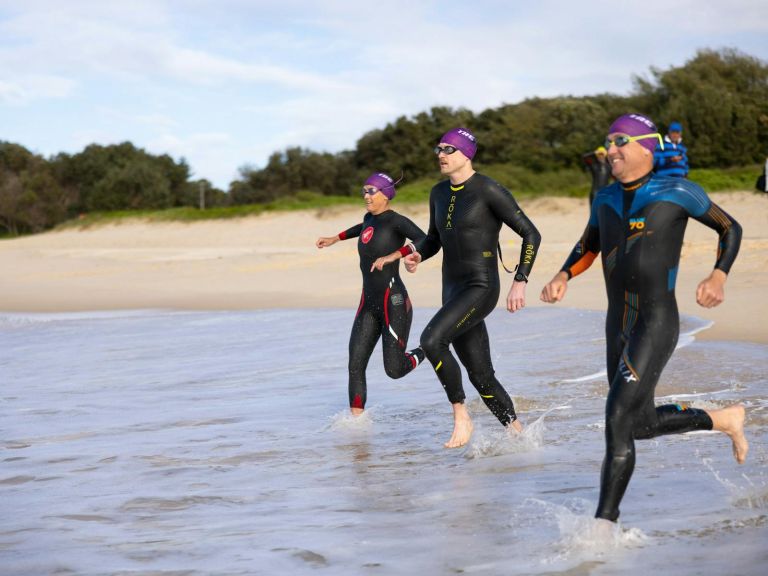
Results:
[155, 442]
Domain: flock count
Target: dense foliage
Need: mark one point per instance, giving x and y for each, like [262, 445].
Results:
[721, 98]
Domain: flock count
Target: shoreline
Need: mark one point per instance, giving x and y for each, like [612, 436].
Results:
[270, 261]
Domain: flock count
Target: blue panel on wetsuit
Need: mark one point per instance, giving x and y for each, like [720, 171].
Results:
[684, 193]
[672, 278]
[611, 196]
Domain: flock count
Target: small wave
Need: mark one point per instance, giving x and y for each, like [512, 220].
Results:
[581, 536]
[345, 421]
[21, 320]
[508, 440]
[596, 376]
[688, 334]
[584, 535]
[750, 495]
[673, 397]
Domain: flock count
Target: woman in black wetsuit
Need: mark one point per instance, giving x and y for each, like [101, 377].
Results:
[385, 309]
[466, 213]
[638, 223]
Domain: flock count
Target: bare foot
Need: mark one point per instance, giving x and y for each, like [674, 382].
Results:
[730, 420]
[603, 530]
[462, 427]
[516, 426]
[357, 411]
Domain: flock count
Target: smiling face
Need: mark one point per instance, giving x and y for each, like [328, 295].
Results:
[629, 162]
[375, 201]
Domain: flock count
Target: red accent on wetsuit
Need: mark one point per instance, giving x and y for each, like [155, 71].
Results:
[343, 235]
[362, 301]
[358, 402]
[386, 308]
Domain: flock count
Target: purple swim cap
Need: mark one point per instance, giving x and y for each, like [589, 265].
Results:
[636, 125]
[383, 183]
[462, 139]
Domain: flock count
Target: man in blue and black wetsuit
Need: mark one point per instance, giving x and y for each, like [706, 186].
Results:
[638, 223]
[466, 213]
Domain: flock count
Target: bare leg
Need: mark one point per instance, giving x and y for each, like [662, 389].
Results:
[731, 421]
[462, 426]
[356, 411]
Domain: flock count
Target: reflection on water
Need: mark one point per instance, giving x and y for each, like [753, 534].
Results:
[219, 443]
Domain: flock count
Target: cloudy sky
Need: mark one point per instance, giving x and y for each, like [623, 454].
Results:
[224, 83]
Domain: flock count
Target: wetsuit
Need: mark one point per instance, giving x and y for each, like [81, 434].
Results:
[385, 309]
[639, 228]
[601, 174]
[465, 221]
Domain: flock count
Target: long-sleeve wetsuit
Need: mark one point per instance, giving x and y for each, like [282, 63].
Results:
[601, 173]
[465, 222]
[385, 309]
[638, 228]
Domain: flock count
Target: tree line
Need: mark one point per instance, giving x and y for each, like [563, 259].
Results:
[720, 97]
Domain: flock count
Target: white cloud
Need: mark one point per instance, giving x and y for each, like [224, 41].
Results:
[27, 89]
[227, 83]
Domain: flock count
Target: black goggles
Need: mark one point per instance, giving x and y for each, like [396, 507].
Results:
[444, 149]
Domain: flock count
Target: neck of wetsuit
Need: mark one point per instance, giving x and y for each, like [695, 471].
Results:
[461, 185]
[635, 184]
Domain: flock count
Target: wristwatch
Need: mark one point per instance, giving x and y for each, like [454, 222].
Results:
[520, 277]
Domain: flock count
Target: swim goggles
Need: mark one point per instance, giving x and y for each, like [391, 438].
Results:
[444, 149]
[622, 140]
[370, 191]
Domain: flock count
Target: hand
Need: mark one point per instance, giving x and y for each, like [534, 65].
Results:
[384, 260]
[711, 290]
[323, 242]
[516, 296]
[412, 262]
[676, 158]
[555, 290]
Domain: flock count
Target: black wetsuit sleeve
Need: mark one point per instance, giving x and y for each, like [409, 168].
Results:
[584, 253]
[353, 232]
[430, 244]
[730, 235]
[508, 211]
[407, 228]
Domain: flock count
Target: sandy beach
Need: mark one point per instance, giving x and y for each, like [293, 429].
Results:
[270, 261]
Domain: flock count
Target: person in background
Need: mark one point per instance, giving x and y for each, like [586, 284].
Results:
[671, 158]
[762, 184]
[597, 162]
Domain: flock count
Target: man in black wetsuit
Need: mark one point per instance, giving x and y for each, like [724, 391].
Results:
[385, 310]
[466, 213]
[638, 223]
[597, 162]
